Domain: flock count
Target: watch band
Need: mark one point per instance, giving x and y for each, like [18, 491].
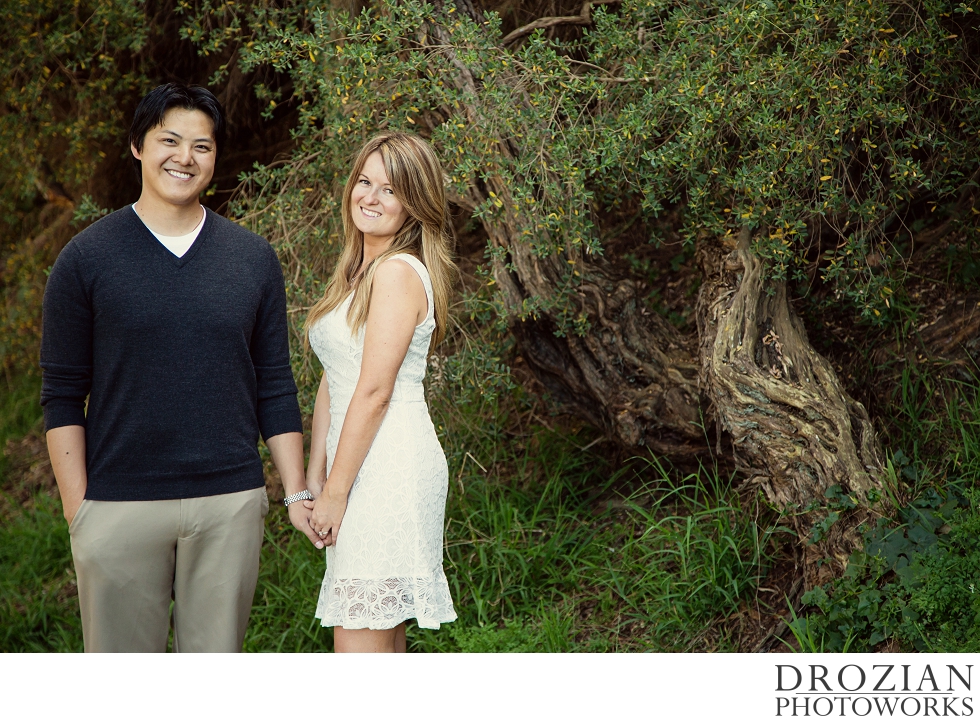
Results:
[303, 495]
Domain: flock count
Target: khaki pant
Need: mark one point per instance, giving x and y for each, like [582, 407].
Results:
[133, 557]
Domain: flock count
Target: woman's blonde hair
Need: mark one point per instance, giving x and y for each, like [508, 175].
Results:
[417, 182]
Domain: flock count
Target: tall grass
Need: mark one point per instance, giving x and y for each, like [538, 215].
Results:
[38, 605]
[548, 548]
[556, 566]
[38, 596]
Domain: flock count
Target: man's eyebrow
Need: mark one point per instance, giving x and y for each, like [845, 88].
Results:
[208, 139]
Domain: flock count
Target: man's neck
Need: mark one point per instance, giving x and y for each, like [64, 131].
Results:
[169, 220]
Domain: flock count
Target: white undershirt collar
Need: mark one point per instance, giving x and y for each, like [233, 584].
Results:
[178, 246]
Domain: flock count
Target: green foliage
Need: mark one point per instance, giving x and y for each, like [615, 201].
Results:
[64, 68]
[916, 578]
[915, 582]
[20, 410]
[779, 114]
[513, 636]
[87, 210]
[66, 71]
[783, 116]
[22, 280]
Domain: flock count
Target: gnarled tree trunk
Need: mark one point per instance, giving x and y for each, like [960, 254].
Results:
[795, 431]
[632, 375]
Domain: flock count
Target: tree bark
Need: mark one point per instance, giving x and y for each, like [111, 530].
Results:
[632, 374]
[796, 432]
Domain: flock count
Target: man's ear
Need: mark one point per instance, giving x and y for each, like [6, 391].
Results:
[136, 153]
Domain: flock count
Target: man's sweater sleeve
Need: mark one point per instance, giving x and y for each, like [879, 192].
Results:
[66, 343]
[278, 410]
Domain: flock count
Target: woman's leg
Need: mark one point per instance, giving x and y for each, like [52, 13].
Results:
[400, 643]
[363, 640]
[369, 640]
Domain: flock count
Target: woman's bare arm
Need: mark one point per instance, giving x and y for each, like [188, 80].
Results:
[316, 469]
[398, 302]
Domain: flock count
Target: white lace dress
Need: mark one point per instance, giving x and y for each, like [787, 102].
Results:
[386, 566]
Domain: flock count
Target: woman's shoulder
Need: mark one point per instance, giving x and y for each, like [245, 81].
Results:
[403, 274]
[401, 269]
[407, 258]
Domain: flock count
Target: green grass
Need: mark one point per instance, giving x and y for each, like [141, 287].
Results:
[20, 410]
[38, 602]
[290, 572]
[547, 567]
[548, 548]
[38, 606]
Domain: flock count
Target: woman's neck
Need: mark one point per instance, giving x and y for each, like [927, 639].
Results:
[372, 248]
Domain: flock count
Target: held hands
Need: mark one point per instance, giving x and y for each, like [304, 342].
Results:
[299, 516]
[328, 512]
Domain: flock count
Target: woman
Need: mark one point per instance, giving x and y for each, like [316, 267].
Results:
[376, 467]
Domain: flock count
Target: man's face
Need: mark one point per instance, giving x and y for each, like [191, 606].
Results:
[178, 157]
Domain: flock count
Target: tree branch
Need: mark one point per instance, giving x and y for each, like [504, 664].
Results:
[583, 18]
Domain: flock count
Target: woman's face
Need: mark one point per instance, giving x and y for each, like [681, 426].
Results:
[376, 211]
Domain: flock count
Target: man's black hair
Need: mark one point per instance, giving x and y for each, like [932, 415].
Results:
[155, 104]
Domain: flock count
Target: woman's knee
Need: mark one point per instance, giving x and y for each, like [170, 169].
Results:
[364, 640]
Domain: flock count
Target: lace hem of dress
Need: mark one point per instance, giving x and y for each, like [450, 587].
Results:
[385, 603]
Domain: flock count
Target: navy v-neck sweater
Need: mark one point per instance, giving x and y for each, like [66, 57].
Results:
[185, 361]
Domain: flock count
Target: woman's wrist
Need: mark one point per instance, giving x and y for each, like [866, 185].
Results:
[335, 491]
[314, 482]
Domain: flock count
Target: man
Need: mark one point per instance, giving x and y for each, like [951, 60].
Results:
[172, 321]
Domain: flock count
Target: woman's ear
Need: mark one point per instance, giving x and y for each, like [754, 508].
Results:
[132, 147]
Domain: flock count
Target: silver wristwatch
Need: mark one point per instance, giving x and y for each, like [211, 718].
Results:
[303, 495]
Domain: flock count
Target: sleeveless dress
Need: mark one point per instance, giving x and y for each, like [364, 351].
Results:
[386, 566]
